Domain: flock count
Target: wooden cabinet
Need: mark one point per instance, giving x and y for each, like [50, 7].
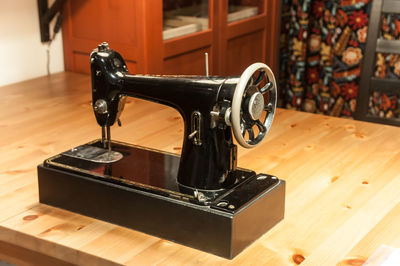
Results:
[135, 29]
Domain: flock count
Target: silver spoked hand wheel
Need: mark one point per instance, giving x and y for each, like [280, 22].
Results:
[253, 105]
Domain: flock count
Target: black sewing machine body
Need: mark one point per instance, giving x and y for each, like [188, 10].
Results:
[200, 199]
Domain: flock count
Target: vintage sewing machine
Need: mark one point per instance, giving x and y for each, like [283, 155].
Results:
[201, 198]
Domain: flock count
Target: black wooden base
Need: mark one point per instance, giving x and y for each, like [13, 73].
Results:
[215, 229]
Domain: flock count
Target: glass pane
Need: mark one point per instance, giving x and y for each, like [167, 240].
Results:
[184, 17]
[387, 66]
[241, 9]
[390, 26]
[384, 104]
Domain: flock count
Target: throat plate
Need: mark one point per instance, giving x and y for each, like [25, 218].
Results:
[94, 154]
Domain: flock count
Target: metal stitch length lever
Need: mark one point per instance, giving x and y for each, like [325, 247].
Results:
[196, 128]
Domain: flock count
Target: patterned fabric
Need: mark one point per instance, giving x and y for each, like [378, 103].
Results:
[388, 67]
[322, 46]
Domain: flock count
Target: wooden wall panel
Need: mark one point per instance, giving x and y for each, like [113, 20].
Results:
[192, 63]
[233, 56]
[83, 22]
[104, 20]
[88, 23]
[149, 25]
[132, 67]
[81, 62]
[187, 43]
[272, 34]
[243, 51]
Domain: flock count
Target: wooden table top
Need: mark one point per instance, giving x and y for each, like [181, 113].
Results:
[342, 193]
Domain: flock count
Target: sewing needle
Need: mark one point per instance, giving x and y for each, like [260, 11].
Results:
[103, 136]
[109, 139]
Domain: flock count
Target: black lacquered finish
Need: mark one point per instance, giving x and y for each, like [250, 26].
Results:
[148, 170]
[148, 199]
[199, 199]
[208, 159]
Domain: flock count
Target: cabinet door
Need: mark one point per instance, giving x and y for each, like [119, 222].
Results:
[249, 33]
[187, 36]
[239, 33]
[133, 28]
[234, 33]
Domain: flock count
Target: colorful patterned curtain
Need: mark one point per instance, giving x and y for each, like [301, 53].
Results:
[322, 47]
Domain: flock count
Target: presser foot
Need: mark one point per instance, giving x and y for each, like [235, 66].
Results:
[140, 191]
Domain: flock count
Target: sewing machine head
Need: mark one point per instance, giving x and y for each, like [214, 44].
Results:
[212, 108]
[200, 198]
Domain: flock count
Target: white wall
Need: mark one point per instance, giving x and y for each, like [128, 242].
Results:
[22, 55]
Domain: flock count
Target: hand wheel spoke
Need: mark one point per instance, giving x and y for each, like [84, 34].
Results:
[251, 133]
[267, 87]
[268, 107]
[242, 128]
[259, 78]
[250, 82]
[261, 126]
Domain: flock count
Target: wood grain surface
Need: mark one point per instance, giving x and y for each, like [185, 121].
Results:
[342, 198]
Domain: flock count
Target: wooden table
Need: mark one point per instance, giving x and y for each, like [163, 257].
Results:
[343, 183]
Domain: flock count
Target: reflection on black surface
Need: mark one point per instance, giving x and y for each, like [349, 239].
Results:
[138, 165]
[149, 170]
